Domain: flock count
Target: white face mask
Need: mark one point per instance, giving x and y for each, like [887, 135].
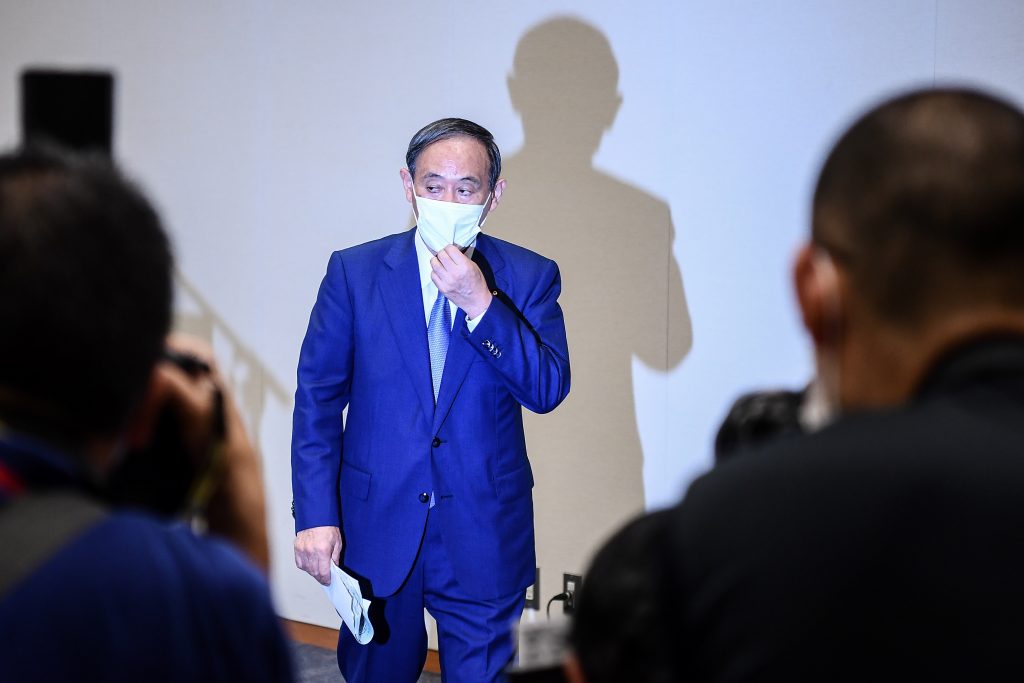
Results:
[442, 223]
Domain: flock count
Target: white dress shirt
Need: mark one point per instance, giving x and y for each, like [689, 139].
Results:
[429, 289]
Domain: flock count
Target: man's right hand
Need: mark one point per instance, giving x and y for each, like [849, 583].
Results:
[315, 549]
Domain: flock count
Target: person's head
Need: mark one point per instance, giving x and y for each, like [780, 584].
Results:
[453, 160]
[757, 418]
[565, 86]
[622, 630]
[85, 295]
[917, 240]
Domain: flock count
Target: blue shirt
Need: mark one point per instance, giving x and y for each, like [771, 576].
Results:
[133, 598]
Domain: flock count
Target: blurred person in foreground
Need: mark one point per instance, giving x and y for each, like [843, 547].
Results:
[889, 545]
[622, 629]
[90, 590]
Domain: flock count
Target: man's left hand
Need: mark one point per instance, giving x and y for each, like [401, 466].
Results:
[460, 280]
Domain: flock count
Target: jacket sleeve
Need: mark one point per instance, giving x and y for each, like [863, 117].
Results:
[526, 344]
[324, 386]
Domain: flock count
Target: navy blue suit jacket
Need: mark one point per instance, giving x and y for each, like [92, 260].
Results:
[366, 349]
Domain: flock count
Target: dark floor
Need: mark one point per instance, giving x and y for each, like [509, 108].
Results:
[318, 665]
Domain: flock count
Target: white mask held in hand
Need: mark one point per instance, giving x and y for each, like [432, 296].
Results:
[442, 223]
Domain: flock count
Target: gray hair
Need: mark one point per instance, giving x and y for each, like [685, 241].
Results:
[444, 129]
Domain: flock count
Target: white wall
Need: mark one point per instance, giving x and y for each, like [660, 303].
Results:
[271, 133]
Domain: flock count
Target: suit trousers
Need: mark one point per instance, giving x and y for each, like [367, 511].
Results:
[474, 636]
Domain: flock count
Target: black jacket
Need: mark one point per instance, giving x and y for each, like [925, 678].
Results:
[889, 546]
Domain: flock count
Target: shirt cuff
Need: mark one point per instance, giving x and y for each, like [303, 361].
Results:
[471, 324]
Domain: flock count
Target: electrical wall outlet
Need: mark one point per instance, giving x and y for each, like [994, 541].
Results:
[533, 593]
[570, 586]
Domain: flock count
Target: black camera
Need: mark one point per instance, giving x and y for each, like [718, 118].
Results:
[165, 476]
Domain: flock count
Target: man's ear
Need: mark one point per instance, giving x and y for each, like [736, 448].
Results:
[816, 283]
[407, 185]
[410, 191]
[499, 189]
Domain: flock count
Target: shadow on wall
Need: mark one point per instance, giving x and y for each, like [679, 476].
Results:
[250, 381]
[622, 290]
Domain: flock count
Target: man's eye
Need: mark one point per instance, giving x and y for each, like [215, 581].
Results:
[432, 188]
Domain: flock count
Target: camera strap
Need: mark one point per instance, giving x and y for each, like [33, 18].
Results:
[34, 526]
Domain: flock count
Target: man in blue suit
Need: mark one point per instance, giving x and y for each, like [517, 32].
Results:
[434, 339]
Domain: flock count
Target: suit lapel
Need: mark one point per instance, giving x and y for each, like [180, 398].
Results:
[491, 262]
[460, 354]
[403, 299]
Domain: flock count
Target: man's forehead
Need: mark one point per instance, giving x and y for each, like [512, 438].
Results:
[464, 153]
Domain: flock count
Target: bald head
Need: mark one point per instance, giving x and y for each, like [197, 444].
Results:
[921, 202]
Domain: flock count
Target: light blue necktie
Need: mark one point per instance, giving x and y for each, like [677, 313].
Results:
[439, 330]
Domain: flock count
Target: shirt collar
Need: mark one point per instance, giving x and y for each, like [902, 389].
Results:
[984, 359]
[38, 464]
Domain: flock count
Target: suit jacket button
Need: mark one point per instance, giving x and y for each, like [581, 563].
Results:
[424, 497]
[436, 442]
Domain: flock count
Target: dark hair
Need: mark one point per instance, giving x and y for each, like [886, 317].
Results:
[451, 128]
[922, 202]
[756, 418]
[85, 294]
[622, 630]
